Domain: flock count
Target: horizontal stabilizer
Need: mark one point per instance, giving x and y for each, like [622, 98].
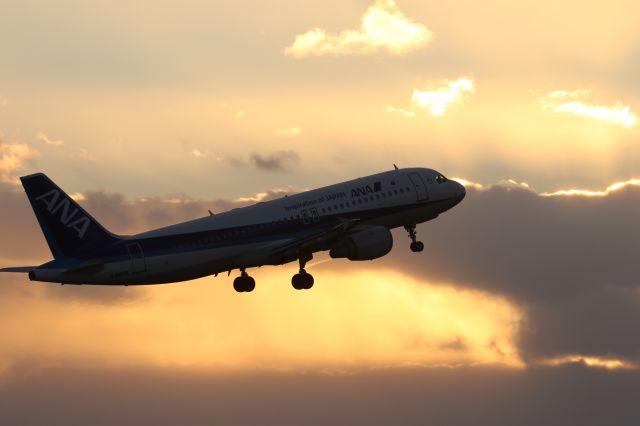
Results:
[18, 269]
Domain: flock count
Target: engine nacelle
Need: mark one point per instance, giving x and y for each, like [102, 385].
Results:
[368, 244]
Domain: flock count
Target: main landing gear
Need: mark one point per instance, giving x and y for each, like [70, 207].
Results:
[303, 280]
[415, 246]
[244, 283]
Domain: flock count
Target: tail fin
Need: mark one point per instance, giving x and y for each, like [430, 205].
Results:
[69, 230]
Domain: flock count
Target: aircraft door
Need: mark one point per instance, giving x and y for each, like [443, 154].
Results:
[421, 189]
[138, 263]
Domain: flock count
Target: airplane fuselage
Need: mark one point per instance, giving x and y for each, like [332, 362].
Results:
[267, 233]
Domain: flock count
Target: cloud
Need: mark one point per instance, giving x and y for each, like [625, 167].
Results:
[384, 28]
[405, 112]
[41, 136]
[267, 195]
[279, 161]
[199, 154]
[568, 262]
[618, 186]
[570, 395]
[592, 361]
[13, 158]
[437, 99]
[288, 131]
[571, 102]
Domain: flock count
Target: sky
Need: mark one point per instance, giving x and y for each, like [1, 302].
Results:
[524, 306]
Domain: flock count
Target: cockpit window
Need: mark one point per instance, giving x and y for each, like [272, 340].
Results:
[441, 179]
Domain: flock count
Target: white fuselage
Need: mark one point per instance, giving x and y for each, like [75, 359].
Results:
[260, 234]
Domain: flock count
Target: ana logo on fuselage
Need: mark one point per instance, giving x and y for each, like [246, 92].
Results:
[367, 189]
[67, 213]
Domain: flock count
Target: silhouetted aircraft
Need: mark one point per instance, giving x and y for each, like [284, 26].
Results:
[350, 219]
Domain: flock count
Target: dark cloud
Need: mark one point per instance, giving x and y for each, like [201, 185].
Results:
[470, 396]
[570, 262]
[279, 161]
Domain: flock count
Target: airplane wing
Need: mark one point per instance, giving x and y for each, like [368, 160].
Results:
[287, 250]
[318, 238]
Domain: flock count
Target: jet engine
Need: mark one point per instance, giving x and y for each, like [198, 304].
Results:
[367, 244]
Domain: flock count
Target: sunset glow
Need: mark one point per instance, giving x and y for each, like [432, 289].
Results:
[521, 308]
[377, 321]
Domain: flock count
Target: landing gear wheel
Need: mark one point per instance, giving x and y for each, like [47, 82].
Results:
[244, 283]
[250, 284]
[417, 246]
[302, 281]
[238, 285]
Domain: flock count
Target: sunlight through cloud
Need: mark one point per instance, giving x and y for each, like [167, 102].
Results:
[352, 322]
[436, 100]
[383, 28]
[12, 160]
[564, 101]
[591, 361]
[586, 193]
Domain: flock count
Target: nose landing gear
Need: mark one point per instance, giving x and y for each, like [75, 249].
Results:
[303, 280]
[244, 283]
[415, 246]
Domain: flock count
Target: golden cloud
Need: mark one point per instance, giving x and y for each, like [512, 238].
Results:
[383, 28]
[46, 139]
[511, 183]
[591, 361]
[12, 160]
[351, 321]
[587, 193]
[437, 99]
[571, 102]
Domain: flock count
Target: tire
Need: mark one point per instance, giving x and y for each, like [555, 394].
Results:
[308, 281]
[238, 285]
[417, 246]
[249, 284]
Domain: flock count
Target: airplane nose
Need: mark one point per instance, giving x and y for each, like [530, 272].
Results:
[460, 192]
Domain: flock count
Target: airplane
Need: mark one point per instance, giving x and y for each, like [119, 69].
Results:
[351, 220]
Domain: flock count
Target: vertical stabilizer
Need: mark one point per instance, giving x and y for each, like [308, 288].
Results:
[69, 230]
